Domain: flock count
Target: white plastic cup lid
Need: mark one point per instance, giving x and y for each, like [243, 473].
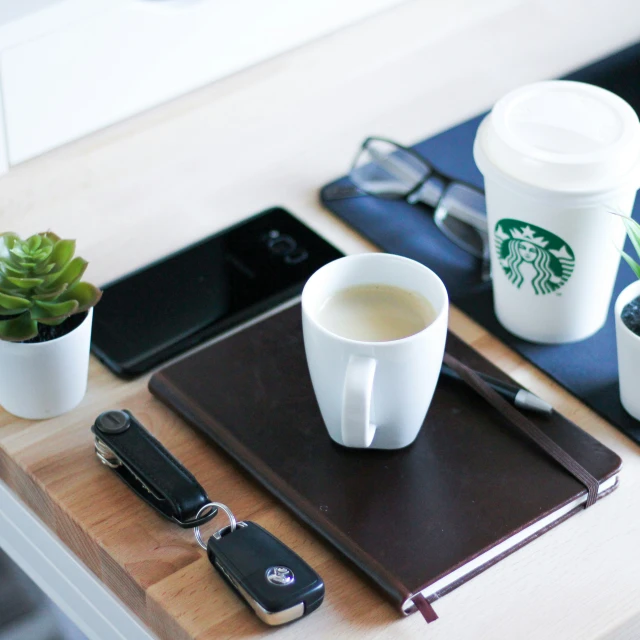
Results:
[561, 136]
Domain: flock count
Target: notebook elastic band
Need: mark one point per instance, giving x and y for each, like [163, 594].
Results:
[525, 425]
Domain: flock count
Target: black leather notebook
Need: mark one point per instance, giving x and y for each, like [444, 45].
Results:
[471, 487]
[589, 368]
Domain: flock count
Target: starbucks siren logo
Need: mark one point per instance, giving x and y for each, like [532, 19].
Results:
[530, 254]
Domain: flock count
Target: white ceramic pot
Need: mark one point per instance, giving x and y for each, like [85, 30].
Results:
[628, 354]
[45, 379]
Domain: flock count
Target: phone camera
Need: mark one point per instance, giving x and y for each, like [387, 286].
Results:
[296, 257]
[284, 246]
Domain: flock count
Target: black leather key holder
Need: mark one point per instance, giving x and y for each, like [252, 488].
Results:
[125, 446]
[274, 581]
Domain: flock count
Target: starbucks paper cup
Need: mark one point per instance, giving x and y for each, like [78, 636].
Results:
[558, 158]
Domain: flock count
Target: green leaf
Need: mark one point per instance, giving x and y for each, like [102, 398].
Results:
[18, 329]
[33, 243]
[632, 263]
[18, 251]
[42, 309]
[8, 240]
[7, 287]
[11, 270]
[51, 295]
[86, 294]
[633, 231]
[44, 268]
[49, 235]
[27, 264]
[62, 252]
[13, 302]
[52, 322]
[70, 274]
[43, 253]
[10, 312]
[25, 283]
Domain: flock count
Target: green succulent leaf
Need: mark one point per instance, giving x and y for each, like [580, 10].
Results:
[62, 252]
[43, 309]
[9, 302]
[9, 239]
[44, 268]
[18, 252]
[52, 322]
[33, 243]
[52, 295]
[49, 235]
[43, 253]
[87, 295]
[25, 283]
[8, 313]
[70, 274]
[11, 270]
[19, 328]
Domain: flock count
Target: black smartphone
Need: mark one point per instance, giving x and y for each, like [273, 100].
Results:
[210, 287]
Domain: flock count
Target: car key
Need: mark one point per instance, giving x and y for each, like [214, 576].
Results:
[274, 581]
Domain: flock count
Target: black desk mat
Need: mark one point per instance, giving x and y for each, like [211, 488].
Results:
[588, 368]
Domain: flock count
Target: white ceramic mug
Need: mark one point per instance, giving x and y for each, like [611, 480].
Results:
[558, 158]
[374, 394]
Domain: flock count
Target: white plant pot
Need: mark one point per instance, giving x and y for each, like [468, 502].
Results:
[628, 354]
[45, 379]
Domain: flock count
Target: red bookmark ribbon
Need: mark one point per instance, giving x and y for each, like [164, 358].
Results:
[425, 608]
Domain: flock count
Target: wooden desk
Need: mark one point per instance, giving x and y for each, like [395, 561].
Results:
[272, 135]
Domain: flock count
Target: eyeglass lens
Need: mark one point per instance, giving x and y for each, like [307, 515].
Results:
[386, 170]
[461, 216]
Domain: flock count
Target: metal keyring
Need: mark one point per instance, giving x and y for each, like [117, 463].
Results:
[232, 521]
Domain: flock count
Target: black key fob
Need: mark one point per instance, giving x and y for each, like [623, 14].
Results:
[276, 583]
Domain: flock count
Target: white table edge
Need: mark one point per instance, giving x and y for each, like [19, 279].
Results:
[97, 612]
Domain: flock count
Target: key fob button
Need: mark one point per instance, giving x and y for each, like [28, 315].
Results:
[113, 422]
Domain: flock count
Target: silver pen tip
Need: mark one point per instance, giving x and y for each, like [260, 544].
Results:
[531, 402]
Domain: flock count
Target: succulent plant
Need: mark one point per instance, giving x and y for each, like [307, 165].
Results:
[40, 283]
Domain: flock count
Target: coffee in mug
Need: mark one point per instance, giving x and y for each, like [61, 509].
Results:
[374, 328]
[376, 313]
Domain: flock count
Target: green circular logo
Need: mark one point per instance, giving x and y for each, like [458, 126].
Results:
[531, 256]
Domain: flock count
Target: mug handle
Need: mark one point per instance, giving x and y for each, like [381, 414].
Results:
[357, 429]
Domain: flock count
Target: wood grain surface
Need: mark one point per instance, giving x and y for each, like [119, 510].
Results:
[274, 134]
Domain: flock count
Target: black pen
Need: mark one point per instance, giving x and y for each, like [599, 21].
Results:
[521, 398]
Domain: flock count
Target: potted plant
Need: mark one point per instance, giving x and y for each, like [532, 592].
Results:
[45, 325]
[627, 317]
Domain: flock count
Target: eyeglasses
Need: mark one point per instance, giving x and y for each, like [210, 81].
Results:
[385, 169]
